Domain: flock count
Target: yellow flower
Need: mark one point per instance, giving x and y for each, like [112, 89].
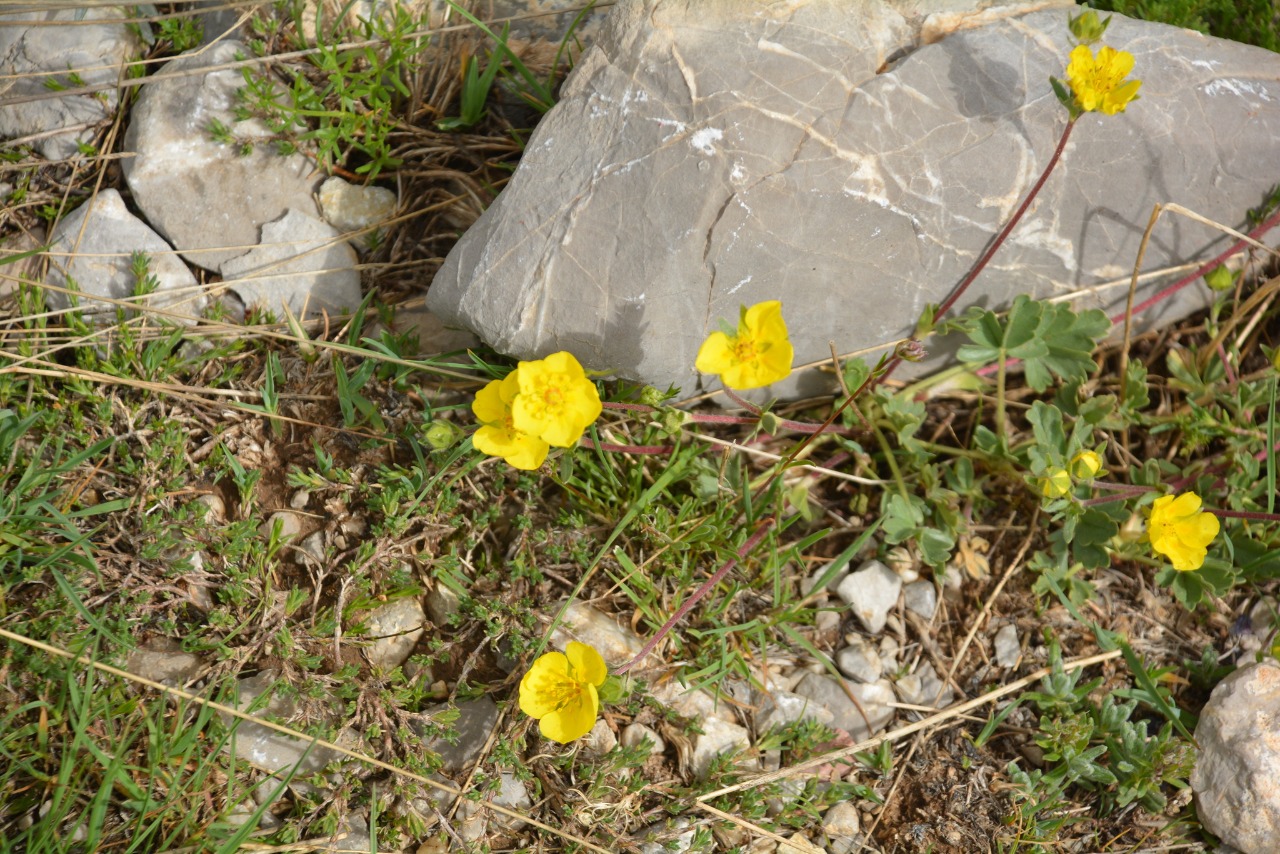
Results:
[1055, 483]
[1085, 465]
[1098, 82]
[758, 355]
[1181, 531]
[498, 436]
[556, 402]
[560, 691]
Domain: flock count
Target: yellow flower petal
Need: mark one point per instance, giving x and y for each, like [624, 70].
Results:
[541, 687]
[497, 436]
[574, 720]
[588, 665]
[715, 356]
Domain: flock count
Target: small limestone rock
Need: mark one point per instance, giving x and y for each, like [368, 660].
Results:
[953, 578]
[442, 604]
[841, 820]
[216, 508]
[476, 719]
[1007, 648]
[826, 621]
[1236, 773]
[783, 707]
[871, 593]
[207, 198]
[924, 688]
[860, 660]
[170, 667]
[93, 41]
[290, 525]
[600, 740]
[717, 737]
[301, 263]
[395, 629]
[921, 597]
[352, 207]
[265, 748]
[311, 548]
[616, 644]
[669, 839]
[514, 795]
[874, 699]
[92, 249]
[635, 734]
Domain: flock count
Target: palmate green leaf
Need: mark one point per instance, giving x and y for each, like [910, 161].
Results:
[1048, 338]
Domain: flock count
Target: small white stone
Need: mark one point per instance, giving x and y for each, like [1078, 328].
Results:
[600, 740]
[717, 737]
[921, 597]
[635, 734]
[841, 820]
[859, 660]
[395, 629]
[1007, 649]
[870, 594]
[1239, 760]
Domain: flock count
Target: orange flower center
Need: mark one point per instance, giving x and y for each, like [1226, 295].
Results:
[745, 350]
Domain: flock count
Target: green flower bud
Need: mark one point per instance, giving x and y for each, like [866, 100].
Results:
[650, 396]
[1085, 465]
[1055, 483]
[1219, 278]
[1086, 27]
[441, 435]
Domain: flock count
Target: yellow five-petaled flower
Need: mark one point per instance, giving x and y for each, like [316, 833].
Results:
[543, 403]
[759, 354]
[1098, 81]
[560, 690]
[1181, 531]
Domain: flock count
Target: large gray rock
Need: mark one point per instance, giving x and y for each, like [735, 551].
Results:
[1237, 774]
[38, 48]
[207, 198]
[92, 247]
[851, 158]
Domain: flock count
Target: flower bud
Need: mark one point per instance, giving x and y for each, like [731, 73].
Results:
[1219, 278]
[1086, 27]
[650, 396]
[1056, 483]
[441, 435]
[1085, 465]
[910, 350]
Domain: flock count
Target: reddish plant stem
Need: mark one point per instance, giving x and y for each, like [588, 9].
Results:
[708, 418]
[1246, 514]
[652, 450]
[706, 587]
